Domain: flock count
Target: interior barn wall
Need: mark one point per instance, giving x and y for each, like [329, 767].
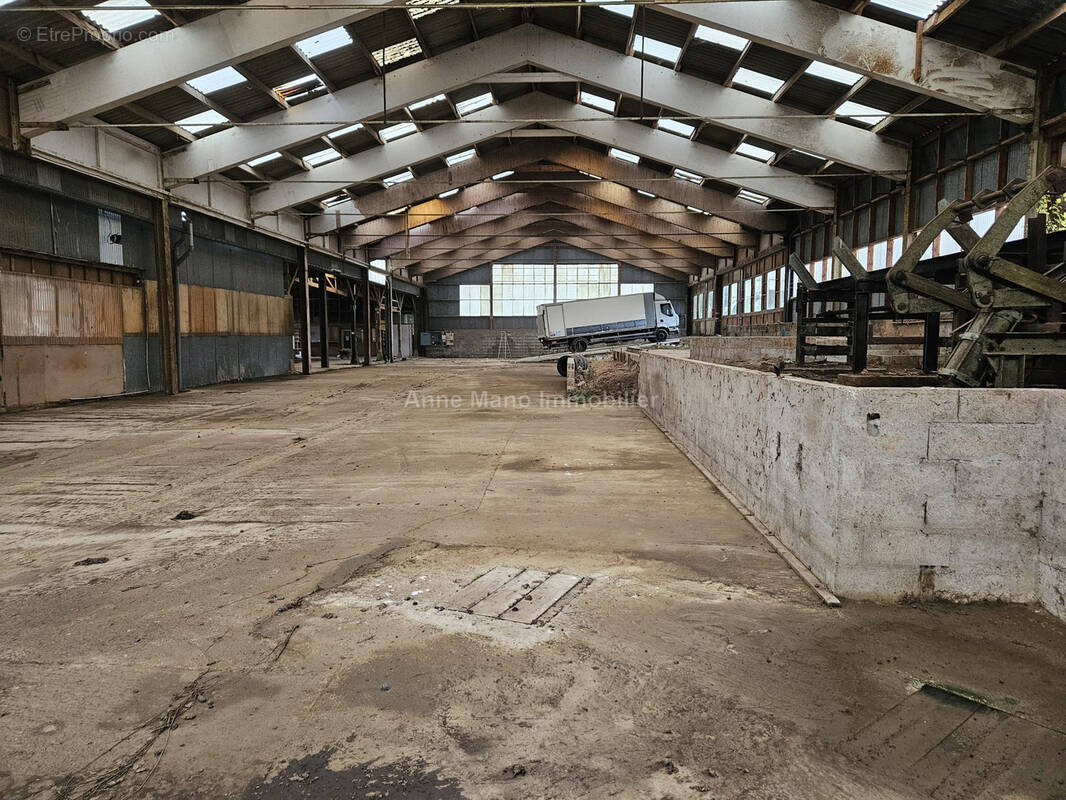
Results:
[235, 313]
[480, 337]
[72, 312]
[884, 493]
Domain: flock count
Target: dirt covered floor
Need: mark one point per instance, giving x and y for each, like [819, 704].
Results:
[294, 636]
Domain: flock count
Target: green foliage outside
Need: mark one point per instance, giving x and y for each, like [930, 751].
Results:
[1055, 208]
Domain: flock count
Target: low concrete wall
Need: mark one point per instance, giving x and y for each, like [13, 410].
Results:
[885, 493]
[484, 343]
[752, 349]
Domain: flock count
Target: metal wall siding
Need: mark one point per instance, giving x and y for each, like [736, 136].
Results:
[73, 185]
[27, 221]
[215, 359]
[42, 310]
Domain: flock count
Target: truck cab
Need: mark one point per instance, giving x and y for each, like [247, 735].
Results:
[665, 316]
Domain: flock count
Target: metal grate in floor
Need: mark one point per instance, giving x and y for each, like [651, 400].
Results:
[527, 596]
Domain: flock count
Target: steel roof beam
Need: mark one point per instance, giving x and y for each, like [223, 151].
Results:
[520, 200]
[631, 136]
[156, 63]
[585, 62]
[510, 221]
[875, 49]
[729, 212]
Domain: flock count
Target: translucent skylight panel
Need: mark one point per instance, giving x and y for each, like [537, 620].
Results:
[397, 131]
[344, 131]
[399, 177]
[680, 128]
[594, 100]
[120, 20]
[298, 87]
[809, 155]
[919, 9]
[622, 9]
[427, 7]
[324, 42]
[867, 115]
[753, 151]
[752, 197]
[645, 194]
[255, 162]
[217, 80]
[437, 98]
[705, 34]
[473, 104]
[632, 158]
[656, 49]
[499, 176]
[395, 211]
[757, 80]
[459, 158]
[202, 121]
[322, 157]
[447, 194]
[397, 52]
[685, 175]
[336, 200]
[831, 73]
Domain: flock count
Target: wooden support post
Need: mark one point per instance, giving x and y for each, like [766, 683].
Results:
[305, 315]
[860, 326]
[367, 346]
[390, 351]
[323, 321]
[931, 343]
[167, 280]
[353, 356]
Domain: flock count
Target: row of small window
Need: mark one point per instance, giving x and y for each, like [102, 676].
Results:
[546, 273]
[521, 300]
[881, 255]
[762, 293]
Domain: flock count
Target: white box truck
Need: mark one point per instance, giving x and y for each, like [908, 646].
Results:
[580, 323]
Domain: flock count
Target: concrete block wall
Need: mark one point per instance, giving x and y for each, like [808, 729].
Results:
[885, 493]
[471, 343]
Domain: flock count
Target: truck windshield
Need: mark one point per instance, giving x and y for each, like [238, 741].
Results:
[666, 310]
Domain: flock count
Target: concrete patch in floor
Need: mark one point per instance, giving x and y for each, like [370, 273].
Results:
[526, 596]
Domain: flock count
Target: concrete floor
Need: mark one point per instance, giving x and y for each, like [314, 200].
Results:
[246, 652]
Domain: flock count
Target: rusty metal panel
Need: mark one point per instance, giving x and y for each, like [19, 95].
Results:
[43, 310]
[132, 309]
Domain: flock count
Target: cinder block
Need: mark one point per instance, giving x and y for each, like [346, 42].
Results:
[1051, 586]
[1002, 405]
[993, 478]
[969, 441]
[999, 515]
[1053, 530]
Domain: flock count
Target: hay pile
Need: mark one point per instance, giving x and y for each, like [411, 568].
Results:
[609, 380]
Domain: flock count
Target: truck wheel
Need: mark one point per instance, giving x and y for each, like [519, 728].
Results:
[579, 345]
[560, 365]
[661, 335]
